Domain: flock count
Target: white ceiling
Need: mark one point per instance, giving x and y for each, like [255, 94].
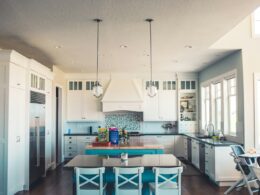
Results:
[36, 28]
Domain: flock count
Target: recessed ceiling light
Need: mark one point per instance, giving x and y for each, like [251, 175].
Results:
[188, 46]
[57, 46]
[123, 46]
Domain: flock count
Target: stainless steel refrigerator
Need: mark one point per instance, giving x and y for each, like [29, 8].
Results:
[37, 136]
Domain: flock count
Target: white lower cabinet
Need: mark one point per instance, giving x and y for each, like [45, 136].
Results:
[167, 141]
[219, 164]
[210, 161]
[195, 153]
[82, 142]
[179, 148]
[75, 145]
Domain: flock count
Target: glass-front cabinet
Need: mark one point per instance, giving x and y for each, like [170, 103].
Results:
[187, 105]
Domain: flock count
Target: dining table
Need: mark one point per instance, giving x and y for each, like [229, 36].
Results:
[148, 161]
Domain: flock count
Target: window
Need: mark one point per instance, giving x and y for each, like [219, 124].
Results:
[256, 22]
[217, 105]
[205, 97]
[231, 106]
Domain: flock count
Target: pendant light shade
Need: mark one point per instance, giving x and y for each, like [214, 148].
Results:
[151, 89]
[97, 88]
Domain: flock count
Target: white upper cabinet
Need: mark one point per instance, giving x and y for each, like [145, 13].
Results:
[81, 103]
[162, 107]
[17, 76]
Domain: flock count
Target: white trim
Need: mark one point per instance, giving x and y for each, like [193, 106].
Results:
[220, 78]
[257, 112]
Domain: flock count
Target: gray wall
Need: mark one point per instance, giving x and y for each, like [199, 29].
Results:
[231, 62]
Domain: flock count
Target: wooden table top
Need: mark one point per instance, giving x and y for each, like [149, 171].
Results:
[153, 160]
[134, 143]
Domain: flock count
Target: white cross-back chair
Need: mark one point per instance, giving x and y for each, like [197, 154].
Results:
[128, 181]
[167, 181]
[89, 181]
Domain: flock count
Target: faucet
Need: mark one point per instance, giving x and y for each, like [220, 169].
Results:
[211, 125]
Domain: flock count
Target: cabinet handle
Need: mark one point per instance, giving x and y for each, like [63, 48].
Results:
[83, 118]
[18, 84]
[70, 142]
[69, 147]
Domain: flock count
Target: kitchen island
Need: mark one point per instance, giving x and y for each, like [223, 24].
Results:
[135, 146]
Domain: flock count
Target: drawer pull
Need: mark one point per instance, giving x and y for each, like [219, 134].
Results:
[70, 142]
[69, 147]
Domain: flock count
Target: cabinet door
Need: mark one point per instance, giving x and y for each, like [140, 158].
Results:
[75, 106]
[17, 76]
[195, 153]
[16, 142]
[210, 161]
[92, 107]
[167, 105]
[151, 108]
[179, 148]
[82, 142]
[49, 130]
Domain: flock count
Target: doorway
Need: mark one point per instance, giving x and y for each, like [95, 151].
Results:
[58, 126]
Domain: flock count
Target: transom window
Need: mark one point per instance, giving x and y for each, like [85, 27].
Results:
[256, 22]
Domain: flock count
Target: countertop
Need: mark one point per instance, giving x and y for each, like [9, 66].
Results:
[192, 136]
[154, 160]
[136, 142]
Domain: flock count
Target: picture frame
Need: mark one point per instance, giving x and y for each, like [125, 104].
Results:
[185, 104]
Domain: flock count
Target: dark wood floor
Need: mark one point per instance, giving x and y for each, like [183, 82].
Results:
[59, 182]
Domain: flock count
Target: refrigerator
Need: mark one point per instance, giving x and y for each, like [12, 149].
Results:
[37, 136]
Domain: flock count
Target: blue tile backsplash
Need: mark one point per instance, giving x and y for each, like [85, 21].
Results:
[132, 121]
[124, 120]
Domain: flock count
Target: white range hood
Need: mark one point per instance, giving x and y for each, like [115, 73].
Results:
[123, 95]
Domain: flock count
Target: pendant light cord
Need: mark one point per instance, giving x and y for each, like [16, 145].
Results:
[151, 58]
[98, 20]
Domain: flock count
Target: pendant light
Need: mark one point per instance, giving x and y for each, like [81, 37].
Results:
[152, 89]
[97, 88]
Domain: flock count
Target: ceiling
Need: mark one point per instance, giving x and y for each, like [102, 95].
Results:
[62, 32]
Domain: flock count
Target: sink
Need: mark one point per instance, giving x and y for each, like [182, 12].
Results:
[203, 137]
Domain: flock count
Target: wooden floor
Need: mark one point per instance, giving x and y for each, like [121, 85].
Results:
[59, 182]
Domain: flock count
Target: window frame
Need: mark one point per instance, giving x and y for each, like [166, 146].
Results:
[227, 125]
[257, 109]
[253, 24]
[219, 79]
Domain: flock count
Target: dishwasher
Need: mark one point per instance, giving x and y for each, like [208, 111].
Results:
[189, 149]
[202, 157]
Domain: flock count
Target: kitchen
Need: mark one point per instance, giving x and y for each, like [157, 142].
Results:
[135, 98]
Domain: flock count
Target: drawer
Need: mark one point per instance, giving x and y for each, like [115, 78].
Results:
[70, 154]
[86, 138]
[71, 147]
[70, 140]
